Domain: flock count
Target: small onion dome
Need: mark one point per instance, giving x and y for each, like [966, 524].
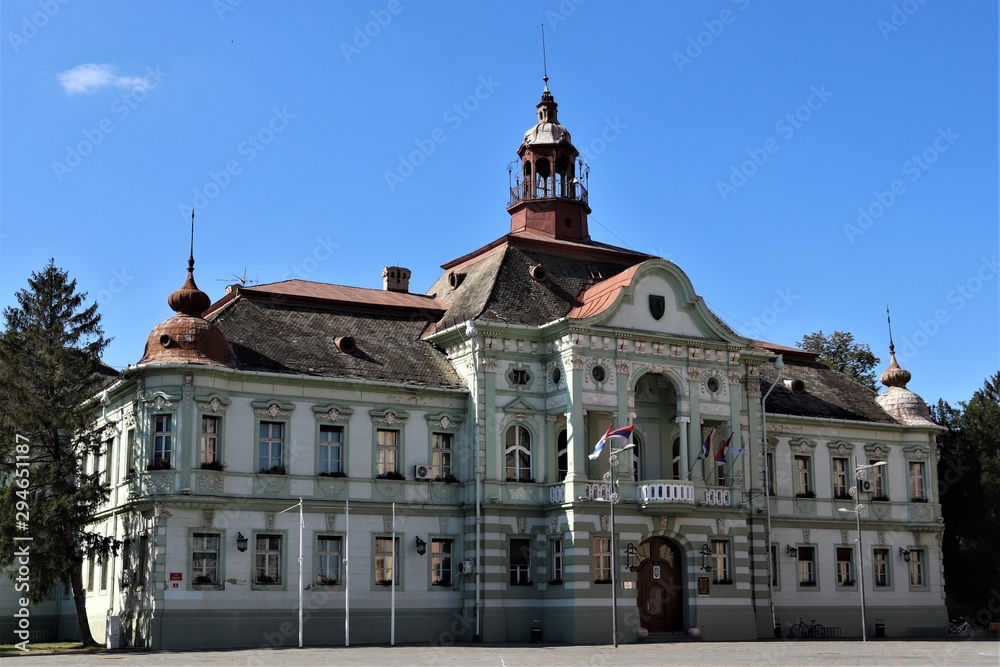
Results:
[189, 300]
[895, 376]
[902, 404]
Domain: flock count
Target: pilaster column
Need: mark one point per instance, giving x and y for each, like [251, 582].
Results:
[683, 428]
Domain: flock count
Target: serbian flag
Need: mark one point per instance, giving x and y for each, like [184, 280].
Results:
[706, 447]
[743, 447]
[599, 447]
[625, 432]
[720, 456]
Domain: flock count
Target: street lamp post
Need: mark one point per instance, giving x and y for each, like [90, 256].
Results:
[858, 508]
[613, 500]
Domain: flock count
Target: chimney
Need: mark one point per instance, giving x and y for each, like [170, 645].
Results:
[396, 279]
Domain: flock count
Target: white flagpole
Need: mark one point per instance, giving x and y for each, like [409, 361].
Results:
[347, 573]
[301, 525]
[392, 583]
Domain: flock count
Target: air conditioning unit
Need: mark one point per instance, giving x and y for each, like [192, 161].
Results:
[465, 567]
[865, 486]
[424, 472]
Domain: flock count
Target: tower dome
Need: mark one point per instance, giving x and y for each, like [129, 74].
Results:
[902, 404]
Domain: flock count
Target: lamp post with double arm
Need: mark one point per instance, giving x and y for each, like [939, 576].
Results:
[858, 509]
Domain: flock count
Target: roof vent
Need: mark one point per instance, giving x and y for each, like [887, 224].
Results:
[396, 279]
[345, 344]
[796, 386]
[538, 273]
[455, 279]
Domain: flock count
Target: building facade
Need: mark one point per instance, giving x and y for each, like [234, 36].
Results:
[437, 449]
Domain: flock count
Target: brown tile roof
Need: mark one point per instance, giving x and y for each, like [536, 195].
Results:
[598, 298]
[827, 393]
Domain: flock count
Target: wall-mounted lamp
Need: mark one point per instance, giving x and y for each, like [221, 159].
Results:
[630, 557]
[421, 547]
[791, 551]
[706, 553]
[241, 542]
[905, 553]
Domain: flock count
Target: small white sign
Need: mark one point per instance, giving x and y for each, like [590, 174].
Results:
[656, 572]
[628, 584]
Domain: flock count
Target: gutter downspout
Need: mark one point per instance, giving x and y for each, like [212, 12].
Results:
[470, 331]
[778, 365]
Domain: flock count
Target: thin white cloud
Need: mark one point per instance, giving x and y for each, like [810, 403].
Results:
[91, 77]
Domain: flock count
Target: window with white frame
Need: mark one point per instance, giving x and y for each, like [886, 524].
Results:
[769, 463]
[441, 453]
[807, 566]
[518, 454]
[330, 449]
[109, 459]
[91, 571]
[877, 477]
[556, 550]
[205, 558]
[270, 447]
[130, 451]
[917, 493]
[840, 478]
[163, 440]
[328, 559]
[721, 570]
[802, 476]
[385, 561]
[267, 560]
[386, 451]
[845, 566]
[209, 450]
[441, 550]
[519, 561]
[880, 565]
[104, 574]
[918, 575]
[602, 560]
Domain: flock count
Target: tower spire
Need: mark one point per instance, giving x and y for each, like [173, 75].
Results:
[545, 67]
[189, 300]
[894, 376]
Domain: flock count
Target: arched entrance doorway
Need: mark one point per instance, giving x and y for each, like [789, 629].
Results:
[661, 592]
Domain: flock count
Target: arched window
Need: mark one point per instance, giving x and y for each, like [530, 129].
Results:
[563, 454]
[636, 455]
[518, 454]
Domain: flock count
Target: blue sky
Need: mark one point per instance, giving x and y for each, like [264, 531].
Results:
[805, 163]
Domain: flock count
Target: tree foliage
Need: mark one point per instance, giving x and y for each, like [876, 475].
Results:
[50, 371]
[841, 353]
[969, 491]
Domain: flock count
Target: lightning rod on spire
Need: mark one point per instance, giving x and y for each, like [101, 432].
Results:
[892, 348]
[545, 67]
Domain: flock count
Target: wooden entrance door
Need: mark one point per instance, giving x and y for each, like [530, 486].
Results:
[660, 591]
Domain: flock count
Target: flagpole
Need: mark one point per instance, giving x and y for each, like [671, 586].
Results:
[392, 583]
[347, 573]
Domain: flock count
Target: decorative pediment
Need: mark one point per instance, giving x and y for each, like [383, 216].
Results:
[272, 408]
[444, 421]
[389, 416]
[916, 453]
[800, 446]
[331, 412]
[212, 403]
[840, 448]
[519, 406]
[161, 400]
[877, 451]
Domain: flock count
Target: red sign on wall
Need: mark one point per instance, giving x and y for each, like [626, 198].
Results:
[176, 576]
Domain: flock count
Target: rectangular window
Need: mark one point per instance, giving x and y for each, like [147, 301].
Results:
[386, 451]
[721, 571]
[441, 562]
[442, 453]
[556, 547]
[328, 559]
[268, 560]
[880, 564]
[209, 452]
[769, 460]
[330, 440]
[91, 570]
[270, 446]
[104, 574]
[130, 451]
[775, 580]
[205, 558]
[602, 559]
[803, 483]
[385, 559]
[807, 566]
[918, 577]
[140, 575]
[109, 458]
[163, 440]
[845, 566]
[840, 478]
[879, 491]
[519, 558]
[917, 481]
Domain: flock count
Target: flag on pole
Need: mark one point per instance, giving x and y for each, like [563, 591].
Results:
[599, 447]
[706, 446]
[625, 432]
[720, 456]
[743, 447]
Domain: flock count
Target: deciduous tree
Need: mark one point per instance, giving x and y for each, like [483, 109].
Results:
[841, 353]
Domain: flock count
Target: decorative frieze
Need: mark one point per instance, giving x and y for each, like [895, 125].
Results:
[272, 408]
[212, 403]
[269, 520]
[389, 416]
[206, 518]
[332, 413]
[161, 400]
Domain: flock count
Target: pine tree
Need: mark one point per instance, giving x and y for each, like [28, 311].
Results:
[50, 372]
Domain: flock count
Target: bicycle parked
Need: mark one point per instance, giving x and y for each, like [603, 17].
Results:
[960, 627]
[806, 630]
